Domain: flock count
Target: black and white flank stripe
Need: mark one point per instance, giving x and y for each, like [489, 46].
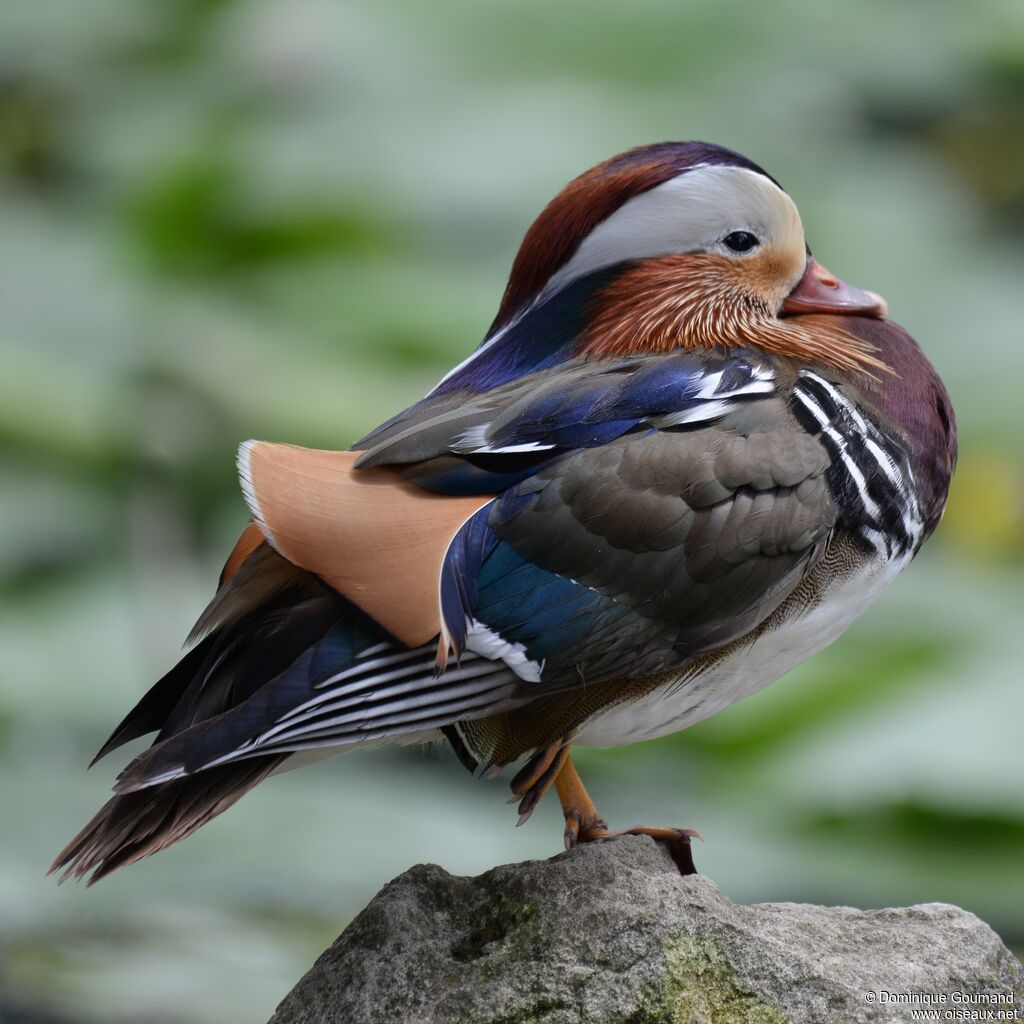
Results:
[870, 476]
[386, 691]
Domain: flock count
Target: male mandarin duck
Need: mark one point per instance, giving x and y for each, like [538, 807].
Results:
[684, 459]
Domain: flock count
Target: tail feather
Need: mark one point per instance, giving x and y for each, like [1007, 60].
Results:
[150, 714]
[131, 826]
[240, 647]
[257, 582]
[246, 657]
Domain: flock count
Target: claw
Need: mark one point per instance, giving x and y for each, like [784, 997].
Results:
[571, 836]
[536, 777]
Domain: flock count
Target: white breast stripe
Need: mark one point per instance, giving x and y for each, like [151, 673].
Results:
[884, 460]
[840, 442]
[840, 400]
[876, 465]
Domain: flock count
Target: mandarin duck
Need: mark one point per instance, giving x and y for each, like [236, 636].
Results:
[685, 458]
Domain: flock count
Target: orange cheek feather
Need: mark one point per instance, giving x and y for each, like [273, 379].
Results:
[684, 301]
[698, 300]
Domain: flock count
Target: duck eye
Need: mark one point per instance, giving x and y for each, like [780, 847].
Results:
[740, 241]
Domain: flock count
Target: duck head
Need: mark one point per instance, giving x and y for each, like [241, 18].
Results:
[689, 245]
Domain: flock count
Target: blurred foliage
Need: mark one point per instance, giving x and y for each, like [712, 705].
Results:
[188, 221]
[224, 219]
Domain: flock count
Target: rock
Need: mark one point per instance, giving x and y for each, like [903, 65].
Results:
[610, 932]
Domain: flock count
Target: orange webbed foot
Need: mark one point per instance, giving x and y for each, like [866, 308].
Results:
[675, 840]
[584, 825]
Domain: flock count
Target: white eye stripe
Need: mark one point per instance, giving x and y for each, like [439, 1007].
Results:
[688, 213]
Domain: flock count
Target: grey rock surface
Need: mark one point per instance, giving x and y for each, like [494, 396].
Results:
[610, 932]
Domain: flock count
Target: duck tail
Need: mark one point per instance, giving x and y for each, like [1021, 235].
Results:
[133, 825]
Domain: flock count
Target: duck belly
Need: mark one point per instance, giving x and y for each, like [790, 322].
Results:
[803, 625]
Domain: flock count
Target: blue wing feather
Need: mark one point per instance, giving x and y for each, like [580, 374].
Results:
[558, 622]
[545, 336]
[577, 407]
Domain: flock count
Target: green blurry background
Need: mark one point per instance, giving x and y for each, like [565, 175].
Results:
[222, 220]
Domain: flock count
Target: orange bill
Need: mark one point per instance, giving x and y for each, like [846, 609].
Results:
[820, 291]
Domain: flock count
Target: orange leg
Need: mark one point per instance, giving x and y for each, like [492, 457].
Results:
[583, 824]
